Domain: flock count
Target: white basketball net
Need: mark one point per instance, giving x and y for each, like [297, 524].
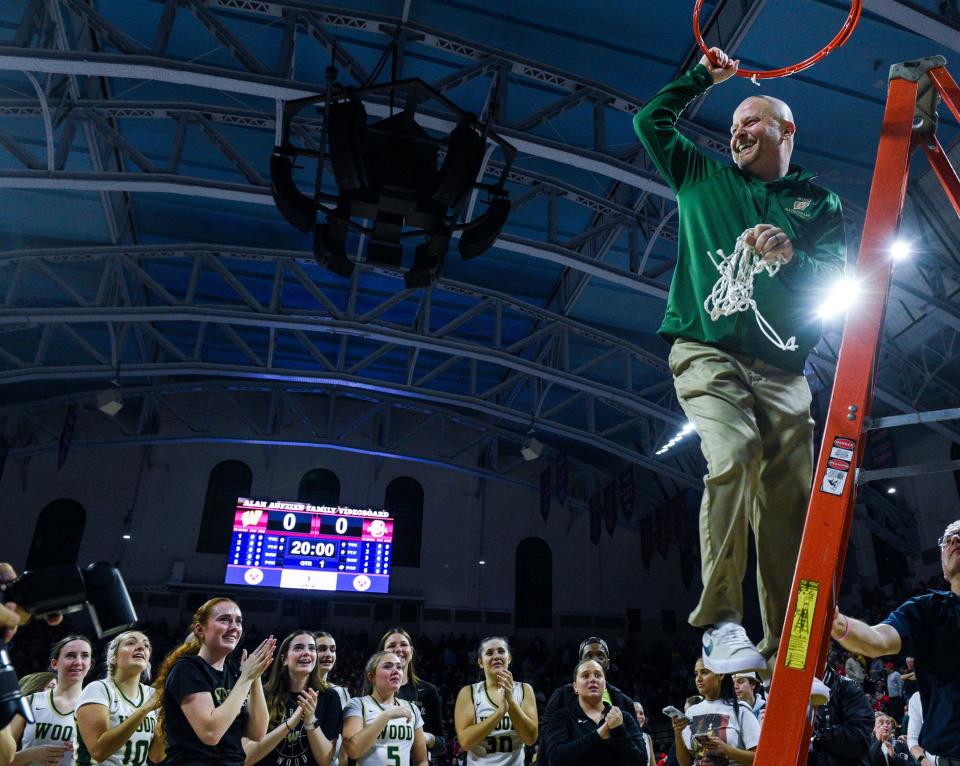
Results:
[733, 291]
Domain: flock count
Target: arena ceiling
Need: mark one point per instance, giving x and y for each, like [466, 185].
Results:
[141, 247]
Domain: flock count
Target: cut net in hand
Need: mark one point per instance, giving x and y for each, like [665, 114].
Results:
[733, 291]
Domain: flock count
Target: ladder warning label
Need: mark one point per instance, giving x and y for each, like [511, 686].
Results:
[838, 466]
[801, 625]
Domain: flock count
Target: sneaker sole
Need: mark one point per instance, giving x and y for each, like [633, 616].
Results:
[735, 665]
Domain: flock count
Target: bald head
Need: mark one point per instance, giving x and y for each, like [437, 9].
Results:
[776, 108]
[761, 137]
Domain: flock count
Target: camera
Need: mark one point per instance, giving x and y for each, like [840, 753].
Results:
[99, 587]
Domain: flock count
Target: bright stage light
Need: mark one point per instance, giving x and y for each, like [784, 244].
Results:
[676, 438]
[839, 299]
[900, 250]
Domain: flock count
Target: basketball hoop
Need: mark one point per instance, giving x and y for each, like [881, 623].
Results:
[856, 8]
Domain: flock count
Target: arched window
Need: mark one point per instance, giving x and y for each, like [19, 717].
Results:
[404, 500]
[319, 487]
[533, 604]
[228, 481]
[56, 537]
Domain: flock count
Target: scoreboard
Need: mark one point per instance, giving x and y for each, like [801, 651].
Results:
[280, 544]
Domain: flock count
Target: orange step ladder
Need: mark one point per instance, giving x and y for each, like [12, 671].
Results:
[909, 122]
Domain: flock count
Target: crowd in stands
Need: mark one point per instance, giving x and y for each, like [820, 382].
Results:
[656, 676]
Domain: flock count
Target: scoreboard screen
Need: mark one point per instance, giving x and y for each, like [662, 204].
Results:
[279, 544]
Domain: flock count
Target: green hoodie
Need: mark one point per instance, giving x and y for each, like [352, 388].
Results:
[717, 202]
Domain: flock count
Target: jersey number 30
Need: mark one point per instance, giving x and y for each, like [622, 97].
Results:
[499, 744]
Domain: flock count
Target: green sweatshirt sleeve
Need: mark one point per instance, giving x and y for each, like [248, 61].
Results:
[814, 267]
[676, 157]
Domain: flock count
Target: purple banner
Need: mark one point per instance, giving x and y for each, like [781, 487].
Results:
[664, 528]
[562, 478]
[545, 492]
[646, 538]
[627, 493]
[66, 434]
[595, 513]
[610, 506]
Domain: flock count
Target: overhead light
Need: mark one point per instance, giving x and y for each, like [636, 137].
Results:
[481, 562]
[688, 428]
[126, 537]
[109, 401]
[841, 296]
[532, 448]
[900, 250]
[891, 490]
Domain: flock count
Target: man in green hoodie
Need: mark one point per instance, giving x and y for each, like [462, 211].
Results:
[739, 377]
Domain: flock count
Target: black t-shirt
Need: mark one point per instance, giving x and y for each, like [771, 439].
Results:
[194, 675]
[294, 749]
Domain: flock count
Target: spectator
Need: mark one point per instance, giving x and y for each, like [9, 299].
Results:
[381, 728]
[592, 648]
[885, 748]
[208, 704]
[909, 678]
[496, 717]
[928, 627]
[117, 716]
[750, 691]
[719, 729]
[841, 728]
[306, 716]
[641, 716]
[854, 669]
[326, 659]
[48, 741]
[592, 732]
[914, 725]
[894, 691]
[416, 690]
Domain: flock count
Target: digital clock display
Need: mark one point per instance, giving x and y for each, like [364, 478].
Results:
[296, 545]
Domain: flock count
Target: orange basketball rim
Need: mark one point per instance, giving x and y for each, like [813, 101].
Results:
[853, 18]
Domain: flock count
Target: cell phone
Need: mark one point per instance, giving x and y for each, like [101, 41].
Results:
[671, 711]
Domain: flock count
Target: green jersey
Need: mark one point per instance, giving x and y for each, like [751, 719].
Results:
[717, 202]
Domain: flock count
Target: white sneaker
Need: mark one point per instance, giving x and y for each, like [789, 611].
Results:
[819, 693]
[726, 649]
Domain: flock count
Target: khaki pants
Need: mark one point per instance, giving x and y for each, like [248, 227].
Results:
[756, 434]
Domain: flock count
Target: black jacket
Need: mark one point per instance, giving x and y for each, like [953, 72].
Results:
[571, 739]
[901, 756]
[565, 696]
[426, 697]
[843, 728]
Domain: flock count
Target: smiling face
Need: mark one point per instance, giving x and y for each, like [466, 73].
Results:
[326, 653]
[494, 656]
[387, 676]
[589, 682]
[132, 656]
[400, 645]
[220, 632]
[73, 662]
[301, 655]
[761, 137]
[707, 682]
[638, 711]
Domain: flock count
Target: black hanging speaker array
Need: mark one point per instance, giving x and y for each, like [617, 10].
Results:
[396, 182]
